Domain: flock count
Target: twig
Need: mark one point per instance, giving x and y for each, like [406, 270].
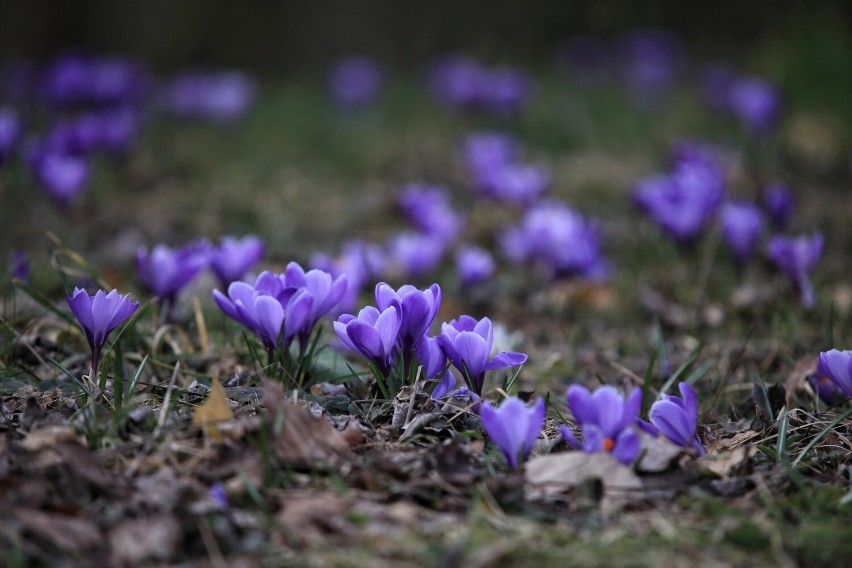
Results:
[164, 410]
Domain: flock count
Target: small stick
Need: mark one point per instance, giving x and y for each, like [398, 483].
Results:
[166, 402]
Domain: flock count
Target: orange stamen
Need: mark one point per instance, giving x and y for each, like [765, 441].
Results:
[608, 444]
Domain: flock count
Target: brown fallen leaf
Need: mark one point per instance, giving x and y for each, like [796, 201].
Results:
[721, 445]
[797, 378]
[152, 538]
[548, 477]
[67, 533]
[658, 454]
[214, 410]
[735, 463]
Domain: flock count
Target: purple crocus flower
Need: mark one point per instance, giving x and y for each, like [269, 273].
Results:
[676, 418]
[518, 184]
[166, 271]
[355, 82]
[560, 239]
[756, 103]
[361, 263]
[505, 90]
[20, 266]
[652, 61]
[825, 389]
[742, 225]
[485, 152]
[10, 132]
[779, 202]
[414, 255]
[468, 344]
[234, 257]
[373, 334]
[62, 175]
[457, 82]
[221, 97]
[684, 202]
[417, 311]
[514, 427]
[98, 315]
[431, 358]
[716, 82]
[474, 265]
[796, 257]
[275, 323]
[837, 366]
[606, 420]
[428, 208]
[324, 290]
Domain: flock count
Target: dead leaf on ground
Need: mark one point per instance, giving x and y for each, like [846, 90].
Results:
[310, 518]
[548, 477]
[658, 454]
[797, 378]
[152, 538]
[300, 438]
[215, 409]
[735, 463]
[67, 533]
[720, 445]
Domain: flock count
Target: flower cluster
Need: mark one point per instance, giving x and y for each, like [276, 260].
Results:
[166, 271]
[558, 238]
[608, 421]
[280, 308]
[466, 84]
[394, 334]
[492, 161]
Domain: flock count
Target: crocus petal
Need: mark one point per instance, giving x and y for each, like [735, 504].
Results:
[298, 314]
[581, 405]
[473, 352]
[366, 340]
[593, 439]
[443, 388]
[627, 447]
[672, 421]
[537, 414]
[610, 409]
[690, 401]
[342, 332]
[570, 438]
[270, 318]
[505, 360]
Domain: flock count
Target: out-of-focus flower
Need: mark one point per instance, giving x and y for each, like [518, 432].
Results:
[62, 175]
[676, 418]
[428, 208]
[587, 59]
[417, 310]
[518, 184]
[716, 82]
[355, 82]
[796, 257]
[683, 202]
[514, 427]
[485, 152]
[414, 255]
[474, 265]
[756, 103]
[10, 133]
[222, 97]
[825, 389]
[98, 315]
[559, 238]
[373, 334]
[837, 366]
[361, 262]
[651, 63]
[779, 202]
[606, 420]
[465, 84]
[742, 225]
[166, 271]
[234, 257]
[468, 344]
[20, 266]
[78, 78]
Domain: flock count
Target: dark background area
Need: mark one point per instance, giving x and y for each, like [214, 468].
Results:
[270, 37]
